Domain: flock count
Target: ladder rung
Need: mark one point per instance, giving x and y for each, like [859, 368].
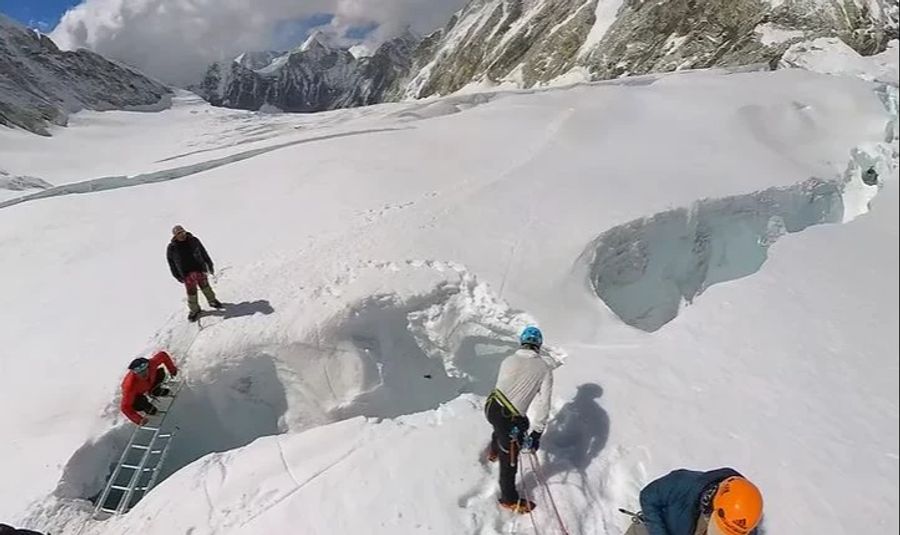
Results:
[152, 452]
[135, 467]
[152, 447]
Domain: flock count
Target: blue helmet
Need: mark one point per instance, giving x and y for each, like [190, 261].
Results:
[531, 336]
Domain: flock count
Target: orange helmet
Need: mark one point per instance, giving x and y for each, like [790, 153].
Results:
[737, 506]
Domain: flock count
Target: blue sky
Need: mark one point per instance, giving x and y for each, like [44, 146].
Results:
[40, 14]
[289, 33]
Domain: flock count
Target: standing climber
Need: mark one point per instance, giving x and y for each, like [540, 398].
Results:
[189, 263]
[523, 376]
[686, 502]
[145, 376]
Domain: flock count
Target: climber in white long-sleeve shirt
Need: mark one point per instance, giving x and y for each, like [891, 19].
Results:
[524, 386]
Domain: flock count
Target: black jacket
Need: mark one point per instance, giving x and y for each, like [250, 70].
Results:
[9, 530]
[180, 266]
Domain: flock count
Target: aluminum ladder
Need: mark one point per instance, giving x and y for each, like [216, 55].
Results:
[140, 464]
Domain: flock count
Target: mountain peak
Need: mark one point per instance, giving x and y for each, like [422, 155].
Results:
[407, 35]
[540, 43]
[321, 74]
[257, 60]
[49, 84]
[319, 40]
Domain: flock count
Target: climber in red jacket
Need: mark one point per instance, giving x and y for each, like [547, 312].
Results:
[145, 376]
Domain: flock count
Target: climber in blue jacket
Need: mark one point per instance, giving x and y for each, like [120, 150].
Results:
[687, 502]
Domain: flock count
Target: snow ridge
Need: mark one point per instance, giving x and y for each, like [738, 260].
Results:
[381, 355]
[21, 183]
[116, 182]
[647, 269]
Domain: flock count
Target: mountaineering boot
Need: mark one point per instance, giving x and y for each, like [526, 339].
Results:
[521, 506]
[215, 303]
[193, 316]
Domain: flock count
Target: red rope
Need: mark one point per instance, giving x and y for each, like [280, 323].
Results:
[536, 468]
[528, 498]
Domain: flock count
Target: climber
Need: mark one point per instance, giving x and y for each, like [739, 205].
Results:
[190, 263]
[523, 376]
[687, 502]
[145, 376]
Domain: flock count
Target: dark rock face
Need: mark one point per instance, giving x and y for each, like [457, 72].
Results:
[314, 77]
[41, 85]
[530, 42]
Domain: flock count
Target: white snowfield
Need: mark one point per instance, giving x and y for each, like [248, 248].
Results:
[711, 259]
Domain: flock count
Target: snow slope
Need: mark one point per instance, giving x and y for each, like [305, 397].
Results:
[143, 143]
[830, 55]
[378, 279]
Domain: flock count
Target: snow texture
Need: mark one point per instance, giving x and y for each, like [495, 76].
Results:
[380, 261]
[829, 55]
[21, 183]
[606, 13]
[772, 34]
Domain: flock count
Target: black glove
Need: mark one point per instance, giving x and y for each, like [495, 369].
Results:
[535, 440]
[520, 431]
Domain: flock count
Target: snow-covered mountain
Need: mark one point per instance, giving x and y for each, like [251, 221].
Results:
[257, 60]
[41, 85]
[524, 43]
[319, 75]
[529, 42]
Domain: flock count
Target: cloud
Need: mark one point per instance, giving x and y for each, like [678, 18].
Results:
[174, 40]
[41, 25]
